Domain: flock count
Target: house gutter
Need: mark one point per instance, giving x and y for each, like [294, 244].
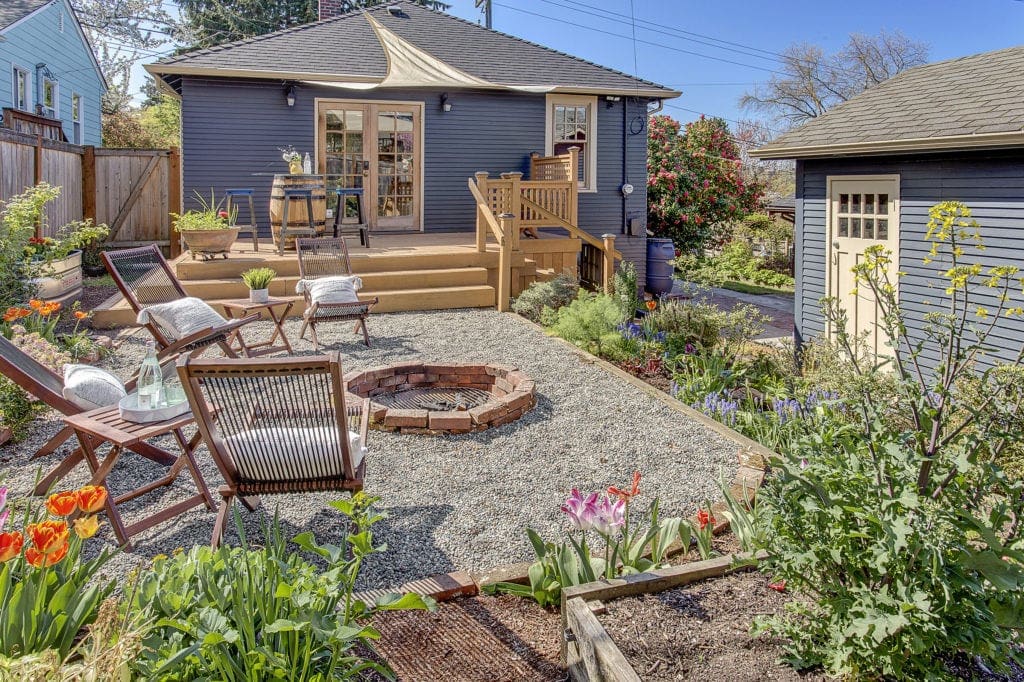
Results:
[920, 144]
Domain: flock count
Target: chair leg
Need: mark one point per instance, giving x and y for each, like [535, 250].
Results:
[284, 227]
[312, 333]
[228, 350]
[366, 334]
[251, 503]
[51, 445]
[302, 330]
[255, 229]
[222, 517]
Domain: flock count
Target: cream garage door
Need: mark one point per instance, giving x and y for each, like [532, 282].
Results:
[863, 212]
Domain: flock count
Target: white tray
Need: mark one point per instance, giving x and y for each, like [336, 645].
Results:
[130, 410]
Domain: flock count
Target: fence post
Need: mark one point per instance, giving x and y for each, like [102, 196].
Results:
[37, 177]
[608, 271]
[505, 263]
[89, 183]
[481, 225]
[174, 199]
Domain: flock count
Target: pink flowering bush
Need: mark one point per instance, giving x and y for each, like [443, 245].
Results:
[694, 180]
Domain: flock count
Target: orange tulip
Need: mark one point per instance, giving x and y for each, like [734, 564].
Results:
[48, 536]
[35, 304]
[38, 559]
[651, 305]
[704, 518]
[62, 504]
[49, 309]
[627, 495]
[10, 545]
[81, 315]
[86, 526]
[13, 314]
[91, 498]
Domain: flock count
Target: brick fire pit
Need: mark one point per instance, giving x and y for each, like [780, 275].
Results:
[431, 398]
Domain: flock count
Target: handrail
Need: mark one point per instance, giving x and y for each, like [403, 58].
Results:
[484, 209]
[572, 229]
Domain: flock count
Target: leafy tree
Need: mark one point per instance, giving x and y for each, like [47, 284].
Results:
[813, 82]
[206, 23]
[694, 180]
[163, 121]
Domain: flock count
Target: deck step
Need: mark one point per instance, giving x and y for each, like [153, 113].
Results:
[114, 312]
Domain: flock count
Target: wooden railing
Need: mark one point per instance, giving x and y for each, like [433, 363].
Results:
[503, 228]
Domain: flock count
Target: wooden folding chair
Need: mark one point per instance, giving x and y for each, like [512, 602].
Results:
[282, 426]
[145, 278]
[328, 257]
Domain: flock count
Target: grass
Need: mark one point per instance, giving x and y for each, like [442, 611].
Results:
[756, 289]
[101, 281]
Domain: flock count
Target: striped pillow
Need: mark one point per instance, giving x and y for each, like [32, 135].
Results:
[292, 453]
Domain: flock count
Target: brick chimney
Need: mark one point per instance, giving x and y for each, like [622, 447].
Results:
[331, 8]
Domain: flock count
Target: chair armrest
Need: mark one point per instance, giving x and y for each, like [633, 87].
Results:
[211, 333]
[362, 411]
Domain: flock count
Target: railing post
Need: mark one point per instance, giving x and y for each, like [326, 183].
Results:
[608, 274]
[515, 205]
[534, 156]
[574, 185]
[481, 225]
[505, 263]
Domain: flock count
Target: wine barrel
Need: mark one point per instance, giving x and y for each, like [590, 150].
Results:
[297, 214]
[660, 253]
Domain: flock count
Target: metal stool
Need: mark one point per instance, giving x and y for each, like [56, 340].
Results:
[291, 195]
[339, 213]
[233, 195]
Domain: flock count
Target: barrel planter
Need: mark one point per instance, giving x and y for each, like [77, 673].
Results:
[660, 253]
[297, 213]
[59, 280]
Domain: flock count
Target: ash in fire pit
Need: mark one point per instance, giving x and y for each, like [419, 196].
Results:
[450, 398]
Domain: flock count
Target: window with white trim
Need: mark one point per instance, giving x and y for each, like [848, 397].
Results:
[76, 118]
[572, 122]
[50, 98]
[20, 88]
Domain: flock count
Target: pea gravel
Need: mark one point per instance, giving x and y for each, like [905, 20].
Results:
[454, 502]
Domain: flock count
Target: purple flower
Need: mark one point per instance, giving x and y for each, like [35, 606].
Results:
[689, 349]
[804, 463]
[581, 510]
[610, 515]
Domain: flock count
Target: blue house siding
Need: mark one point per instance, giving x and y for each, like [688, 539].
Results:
[991, 183]
[233, 129]
[38, 39]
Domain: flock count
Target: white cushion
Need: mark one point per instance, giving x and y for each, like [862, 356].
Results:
[327, 290]
[181, 318]
[90, 387]
[281, 453]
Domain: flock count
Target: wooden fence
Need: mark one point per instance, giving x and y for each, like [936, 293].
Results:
[131, 190]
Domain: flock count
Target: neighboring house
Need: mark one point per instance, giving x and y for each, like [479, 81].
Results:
[414, 101]
[868, 171]
[48, 70]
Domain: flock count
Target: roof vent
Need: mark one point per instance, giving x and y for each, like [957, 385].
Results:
[394, 10]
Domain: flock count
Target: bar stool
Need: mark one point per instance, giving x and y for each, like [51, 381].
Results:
[290, 195]
[339, 213]
[233, 197]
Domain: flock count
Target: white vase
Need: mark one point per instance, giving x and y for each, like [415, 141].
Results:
[259, 295]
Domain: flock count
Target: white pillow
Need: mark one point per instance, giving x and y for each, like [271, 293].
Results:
[90, 387]
[327, 290]
[295, 453]
[181, 318]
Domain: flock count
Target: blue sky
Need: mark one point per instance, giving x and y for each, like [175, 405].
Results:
[951, 27]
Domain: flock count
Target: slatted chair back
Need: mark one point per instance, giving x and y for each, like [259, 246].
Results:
[323, 257]
[281, 423]
[35, 378]
[144, 278]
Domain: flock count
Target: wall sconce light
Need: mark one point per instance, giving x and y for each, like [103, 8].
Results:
[446, 104]
[289, 94]
[610, 100]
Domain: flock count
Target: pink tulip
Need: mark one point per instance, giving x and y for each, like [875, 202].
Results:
[582, 511]
[610, 515]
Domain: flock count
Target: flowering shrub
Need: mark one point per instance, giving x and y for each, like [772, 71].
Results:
[694, 180]
[47, 593]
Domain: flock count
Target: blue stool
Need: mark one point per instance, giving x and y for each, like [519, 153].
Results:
[339, 213]
[234, 197]
[291, 195]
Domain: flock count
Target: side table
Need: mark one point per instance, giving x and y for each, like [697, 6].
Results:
[277, 310]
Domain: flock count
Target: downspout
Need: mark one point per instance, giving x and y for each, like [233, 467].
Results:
[625, 164]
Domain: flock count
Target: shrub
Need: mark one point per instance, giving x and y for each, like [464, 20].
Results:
[552, 294]
[905, 533]
[627, 289]
[588, 320]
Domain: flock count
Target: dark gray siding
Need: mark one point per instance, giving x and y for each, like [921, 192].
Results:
[991, 183]
[232, 129]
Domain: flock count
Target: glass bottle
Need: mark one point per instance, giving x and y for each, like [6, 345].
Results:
[307, 165]
[150, 380]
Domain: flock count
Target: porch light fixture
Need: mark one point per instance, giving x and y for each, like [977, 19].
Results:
[446, 104]
[289, 94]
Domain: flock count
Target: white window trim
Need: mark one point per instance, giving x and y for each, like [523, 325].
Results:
[56, 97]
[590, 183]
[81, 117]
[15, 68]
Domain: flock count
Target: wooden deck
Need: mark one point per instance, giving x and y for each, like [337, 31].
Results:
[411, 271]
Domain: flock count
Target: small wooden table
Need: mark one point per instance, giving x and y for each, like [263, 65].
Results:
[242, 307]
[105, 425]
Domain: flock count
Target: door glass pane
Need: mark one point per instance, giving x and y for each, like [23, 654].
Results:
[844, 227]
[844, 203]
[869, 203]
[869, 227]
[855, 227]
[343, 150]
[854, 203]
[883, 204]
[883, 229]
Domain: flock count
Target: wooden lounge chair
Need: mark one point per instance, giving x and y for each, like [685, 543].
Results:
[328, 257]
[47, 386]
[145, 279]
[282, 426]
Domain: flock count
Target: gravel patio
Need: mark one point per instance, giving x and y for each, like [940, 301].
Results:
[454, 502]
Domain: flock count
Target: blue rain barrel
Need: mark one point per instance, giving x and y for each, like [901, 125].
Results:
[660, 253]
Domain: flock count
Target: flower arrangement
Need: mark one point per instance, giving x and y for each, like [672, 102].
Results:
[209, 216]
[292, 158]
[47, 593]
[78, 234]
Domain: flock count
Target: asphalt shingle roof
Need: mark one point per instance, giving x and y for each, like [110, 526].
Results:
[347, 46]
[12, 10]
[973, 95]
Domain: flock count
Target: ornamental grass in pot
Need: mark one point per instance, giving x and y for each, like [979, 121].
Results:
[209, 229]
[258, 280]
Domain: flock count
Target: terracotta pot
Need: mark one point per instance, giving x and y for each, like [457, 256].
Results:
[210, 241]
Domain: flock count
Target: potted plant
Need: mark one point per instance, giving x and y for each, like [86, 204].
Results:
[258, 280]
[209, 230]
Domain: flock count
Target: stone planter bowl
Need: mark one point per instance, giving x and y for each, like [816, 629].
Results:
[210, 241]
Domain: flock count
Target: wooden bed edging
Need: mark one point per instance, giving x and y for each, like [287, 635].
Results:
[589, 653]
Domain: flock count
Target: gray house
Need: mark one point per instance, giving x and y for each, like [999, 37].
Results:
[409, 103]
[868, 171]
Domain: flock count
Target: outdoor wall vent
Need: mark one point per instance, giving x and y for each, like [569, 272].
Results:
[394, 10]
